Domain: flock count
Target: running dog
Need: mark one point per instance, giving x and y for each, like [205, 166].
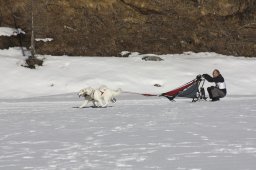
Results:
[99, 97]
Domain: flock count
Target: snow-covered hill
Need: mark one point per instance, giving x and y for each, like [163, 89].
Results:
[64, 74]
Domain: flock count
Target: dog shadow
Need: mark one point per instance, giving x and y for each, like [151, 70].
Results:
[88, 107]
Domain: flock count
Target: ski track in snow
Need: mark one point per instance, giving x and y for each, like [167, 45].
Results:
[136, 133]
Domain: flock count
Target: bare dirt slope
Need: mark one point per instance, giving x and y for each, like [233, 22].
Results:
[107, 27]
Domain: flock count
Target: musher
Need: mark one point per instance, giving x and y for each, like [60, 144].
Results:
[219, 90]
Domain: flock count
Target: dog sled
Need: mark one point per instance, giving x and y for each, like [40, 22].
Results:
[193, 89]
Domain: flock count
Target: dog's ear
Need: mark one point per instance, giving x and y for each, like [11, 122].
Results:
[81, 92]
[88, 91]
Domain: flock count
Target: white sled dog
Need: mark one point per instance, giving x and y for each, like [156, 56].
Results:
[99, 97]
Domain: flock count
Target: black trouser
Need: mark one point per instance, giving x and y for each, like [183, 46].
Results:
[215, 93]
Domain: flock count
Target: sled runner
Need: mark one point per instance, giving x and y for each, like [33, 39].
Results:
[193, 89]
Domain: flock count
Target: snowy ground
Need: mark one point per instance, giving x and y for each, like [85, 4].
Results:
[137, 132]
[61, 75]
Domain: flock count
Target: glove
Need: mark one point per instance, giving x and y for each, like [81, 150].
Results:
[204, 75]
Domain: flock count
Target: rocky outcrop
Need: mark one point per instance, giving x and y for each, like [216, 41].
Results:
[107, 27]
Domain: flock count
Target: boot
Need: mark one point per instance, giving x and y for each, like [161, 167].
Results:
[215, 99]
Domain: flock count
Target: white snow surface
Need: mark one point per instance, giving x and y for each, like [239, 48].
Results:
[44, 39]
[7, 31]
[42, 128]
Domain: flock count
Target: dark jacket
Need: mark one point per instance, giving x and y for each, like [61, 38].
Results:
[219, 81]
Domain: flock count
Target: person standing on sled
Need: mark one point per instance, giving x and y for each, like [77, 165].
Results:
[219, 90]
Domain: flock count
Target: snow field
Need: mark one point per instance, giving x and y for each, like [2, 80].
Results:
[134, 133]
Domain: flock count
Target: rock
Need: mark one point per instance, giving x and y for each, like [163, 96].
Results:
[152, 58]
[32, 62]
[157, 85]
[107, 27]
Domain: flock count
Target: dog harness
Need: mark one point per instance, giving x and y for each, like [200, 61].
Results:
[102, 92]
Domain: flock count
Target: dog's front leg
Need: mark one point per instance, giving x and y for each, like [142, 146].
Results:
[84, 104]
[95, 103]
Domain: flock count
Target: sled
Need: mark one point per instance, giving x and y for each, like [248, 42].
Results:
[193, 89]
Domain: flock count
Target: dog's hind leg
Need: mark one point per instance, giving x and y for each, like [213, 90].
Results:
[105, 102]
[101, 103]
